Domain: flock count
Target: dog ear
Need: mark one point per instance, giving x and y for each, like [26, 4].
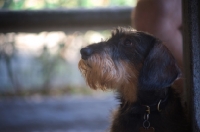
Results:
[159, 68]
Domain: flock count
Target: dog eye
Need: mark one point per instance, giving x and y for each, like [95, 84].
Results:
[128, 43]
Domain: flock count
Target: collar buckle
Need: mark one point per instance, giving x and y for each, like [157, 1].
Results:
[148, 110]
[157, 107]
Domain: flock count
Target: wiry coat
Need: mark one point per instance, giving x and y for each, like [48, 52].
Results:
[141, 69]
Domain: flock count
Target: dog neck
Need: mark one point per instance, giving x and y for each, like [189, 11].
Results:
[148, 97]
[152, 100]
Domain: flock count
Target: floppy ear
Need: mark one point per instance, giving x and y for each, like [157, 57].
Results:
[159, 69]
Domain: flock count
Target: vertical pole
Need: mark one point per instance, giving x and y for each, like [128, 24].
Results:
[191, 50]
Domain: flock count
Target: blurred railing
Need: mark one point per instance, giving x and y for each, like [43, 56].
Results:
[64, 20]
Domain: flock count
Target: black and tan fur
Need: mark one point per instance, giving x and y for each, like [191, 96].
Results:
[141, 69]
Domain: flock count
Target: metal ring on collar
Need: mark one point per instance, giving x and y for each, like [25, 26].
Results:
[146, 124]
[158, 106]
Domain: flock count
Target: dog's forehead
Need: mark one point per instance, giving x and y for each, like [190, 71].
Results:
[130, 34]
[120, 37]
[116, 37]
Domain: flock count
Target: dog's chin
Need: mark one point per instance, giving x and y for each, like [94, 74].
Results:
[98, 76]
[105, 75]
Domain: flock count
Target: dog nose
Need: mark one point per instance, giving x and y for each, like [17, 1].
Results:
[85, 53]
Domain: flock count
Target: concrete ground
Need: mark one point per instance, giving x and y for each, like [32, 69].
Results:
[56, 114]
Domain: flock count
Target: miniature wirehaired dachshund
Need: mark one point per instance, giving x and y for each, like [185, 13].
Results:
[141, 70]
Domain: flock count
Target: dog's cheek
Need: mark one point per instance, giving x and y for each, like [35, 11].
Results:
[128, 87]
[103, 73]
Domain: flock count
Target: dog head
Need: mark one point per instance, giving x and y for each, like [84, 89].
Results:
[129, 61]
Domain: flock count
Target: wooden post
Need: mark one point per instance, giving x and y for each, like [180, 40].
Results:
[191, 49]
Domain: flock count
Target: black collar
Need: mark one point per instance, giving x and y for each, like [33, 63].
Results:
[156, 107]
[139, 108]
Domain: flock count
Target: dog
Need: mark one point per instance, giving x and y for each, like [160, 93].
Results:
[141, 70]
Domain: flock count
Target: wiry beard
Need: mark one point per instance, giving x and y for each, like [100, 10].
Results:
[101, 72]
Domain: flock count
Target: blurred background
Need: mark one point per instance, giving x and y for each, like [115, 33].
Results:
[41, 88]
